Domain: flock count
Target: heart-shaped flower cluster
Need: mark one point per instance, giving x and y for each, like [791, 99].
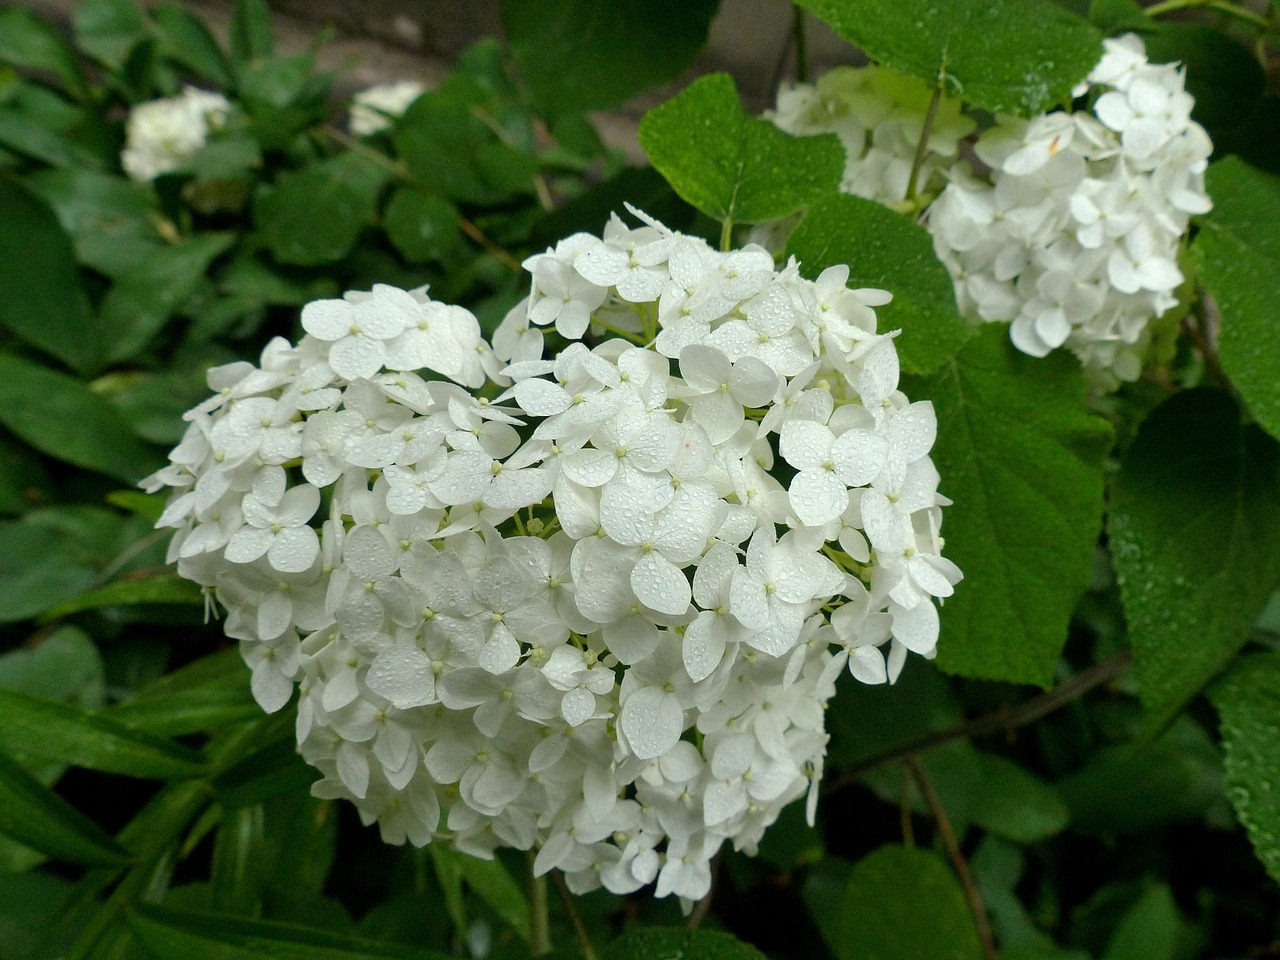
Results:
[590, 604]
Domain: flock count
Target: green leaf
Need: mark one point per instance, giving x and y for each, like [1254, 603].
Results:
[110, 219]
[886, 250]
[34, 815]
[23, 479]
[490, 881]
[1238, 255]
[617, 49]
[31, 904]
[270, 770]
[675, 943]
[166, 588]
[902, 904]
[1022, 459]
[64, 666]
[40, 566]
[108, 29]
[184, 37]
[212, 692]
[147, 295]
[252, 35]
[1149, 931]
[59, 731]
[1195, 535]
[733, 166]
[314, 216]
[41, 299]
[60, 416]
[1248, 703]
[421, 226]
[186, 935]
[1145, 785]
[28, 41]
[983, 789]
[30, 135]
[1007, 56]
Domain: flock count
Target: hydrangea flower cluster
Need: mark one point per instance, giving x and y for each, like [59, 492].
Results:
[1074, 235]
[591, 604]
[162, 135]
[373, 108]
[879, 115]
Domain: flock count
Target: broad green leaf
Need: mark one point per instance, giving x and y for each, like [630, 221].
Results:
[184, 37]
[108, 29]
[37, 817]
[1114, 17]
[902, 904]
[675, 943]
[212, 692]
[983, 789]
[1195, 538]
[267, 771]
[1238, 255]
[41, 299]
[60, 416]
[313, 216]
[166, 588]
[31, 904]
[111, 220]
[187, 935]
[616, 49]
[733, 166]
[59, 731]
[1022, 461]
[30, 135]
[23, 480]
[470, 140]
[421, 226]
[28, 41]
[886, 250]
[1254, 140]
[1144, 785]
[1248, 702]
[1007, 56]
[1149, 931]
[64, 666]
[40, 566]
[146, 295]
[252, 35]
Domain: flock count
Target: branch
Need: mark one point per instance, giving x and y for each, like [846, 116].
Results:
[1004, 720]
[957, 858]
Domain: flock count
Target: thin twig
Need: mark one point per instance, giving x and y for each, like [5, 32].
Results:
[922, 147]
[571, 908]
[1003, 720]
[479, 236]
[957, 857]
[1200, 338]
[904, 809]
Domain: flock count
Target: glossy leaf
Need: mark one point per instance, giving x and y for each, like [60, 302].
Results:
[616, 49]
[59, 731]
[313, 216]
[34, 815]
[734, 166]
[252, 35]
[1248, 702]
[108, 29]
[186, 935]
[184, 36]
[885, 250]
[60, 416]
[1195, 533]
[167, 588]
[212, 692]
[902, 904]
[41, 299]
[421, 226]
[1238, 254]
[1022, 459]
[28, 41]
[1007, 56]
[65, 665]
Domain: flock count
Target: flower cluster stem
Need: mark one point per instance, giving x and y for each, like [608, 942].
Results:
[539, 913]
[575, 917]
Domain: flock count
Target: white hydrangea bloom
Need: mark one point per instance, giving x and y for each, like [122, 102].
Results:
[162, 135]
[373, 108]
[879, 115]
[593, 605]
[1074, 235]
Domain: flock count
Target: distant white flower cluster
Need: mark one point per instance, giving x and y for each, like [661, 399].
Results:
[878, 114]
[1074, 234]
[162, 135]
[373, 108]
[593, 604]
